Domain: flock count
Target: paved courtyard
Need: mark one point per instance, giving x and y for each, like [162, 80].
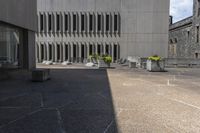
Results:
[120, 100]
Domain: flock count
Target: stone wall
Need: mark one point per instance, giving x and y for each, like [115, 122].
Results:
[184, 41]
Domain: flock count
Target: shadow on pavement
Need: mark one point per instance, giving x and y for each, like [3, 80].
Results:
[73, 101]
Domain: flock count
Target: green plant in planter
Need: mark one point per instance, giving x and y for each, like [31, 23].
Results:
[154, 58]
[107, 59]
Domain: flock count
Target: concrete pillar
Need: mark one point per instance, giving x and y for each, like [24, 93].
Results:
[96, 48]
[104, 48]
[47, 52]
[88, 49]
[55, 52]
[63, 55]
[112, 45]
[80, 52]
[71, 45]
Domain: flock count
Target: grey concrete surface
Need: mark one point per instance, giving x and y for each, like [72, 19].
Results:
[120, 100]
[21, 13]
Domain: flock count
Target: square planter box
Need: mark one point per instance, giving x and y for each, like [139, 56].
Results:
[132, 64]
[156, 66]
[40, 75]
[102, 64]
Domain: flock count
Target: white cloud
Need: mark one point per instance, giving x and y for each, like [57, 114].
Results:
[181, 9]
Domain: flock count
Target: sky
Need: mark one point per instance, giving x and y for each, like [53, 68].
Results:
[181, 9]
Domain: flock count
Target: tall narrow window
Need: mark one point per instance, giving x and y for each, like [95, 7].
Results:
[50, 52]
[58, 52]
[50, 22]
[98, 49]
[58, 22]
[74, 51]
[107, 49]
[74, 22]
[107, 22]
[66, 22]
[91, 22]
[41, 22]
[197, 34]
[115, 23]
[82, 22]
[90, 49]
[99, 22]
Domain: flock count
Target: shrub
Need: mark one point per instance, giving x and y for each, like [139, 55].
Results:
[154, 58]
[107, 59]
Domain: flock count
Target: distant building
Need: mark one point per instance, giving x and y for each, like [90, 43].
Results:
[184, 36]
[71, 30]
[18, 23]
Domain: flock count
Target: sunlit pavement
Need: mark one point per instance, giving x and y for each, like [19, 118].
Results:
[101, 101]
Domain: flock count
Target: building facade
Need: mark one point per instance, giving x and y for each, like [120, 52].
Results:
[184, 38]
[71, 30]
[18, 23]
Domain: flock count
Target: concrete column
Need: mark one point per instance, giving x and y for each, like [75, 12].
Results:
[69, 52]
[96, 48]
[88, 49]
[71, 45]
[63, 55]
[47, 51]
[55, 52]
[47, 22]
[112, 45]
[104, 48]
[80, 52]
[39, 52]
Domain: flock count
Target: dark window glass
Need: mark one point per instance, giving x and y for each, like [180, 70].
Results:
[41, 22]
[58, 22]
[74, 22]
[50, 22]
[82, 22]
[74, 51]
[58, 52]
[107, 22]
[82, 51]
[91, 22]
[107, 49]
[99, 49]
[197, 34]
[99, 22]
[115, 23]
[90, 49]
[50, 52]
[42, 52]
[66, 22]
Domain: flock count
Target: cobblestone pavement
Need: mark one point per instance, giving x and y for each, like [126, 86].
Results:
[119, 100]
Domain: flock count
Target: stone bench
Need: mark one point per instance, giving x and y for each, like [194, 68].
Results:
[40, 75]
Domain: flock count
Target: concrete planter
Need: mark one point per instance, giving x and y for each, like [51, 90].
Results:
[40, 75]
[156, 66]
[132, 64]
[102, 64]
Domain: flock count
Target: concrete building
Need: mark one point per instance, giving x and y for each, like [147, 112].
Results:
[71, 30]
[18, 23]
[184, 38]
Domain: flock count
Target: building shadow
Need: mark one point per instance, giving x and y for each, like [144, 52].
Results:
[73, 101]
